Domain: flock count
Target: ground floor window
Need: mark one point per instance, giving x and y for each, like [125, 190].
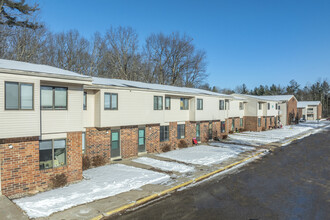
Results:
[265, 122]
[52, 153]
[259, 122]
[181, 131]
[223, 127]
[241, 122]
[198, 131]
[232, 124]
[164, 133]
[83, 142]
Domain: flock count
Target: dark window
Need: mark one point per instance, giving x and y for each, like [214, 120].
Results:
[260, 106]
[279, 107]
[199, 104]
[276, 106]
[164, 133]
[52, 153]
[270, 121]
[110, 101]
[268, 106]
[233, 124]
[223, 127]
[181, 131]
[18, 96]
[167, 103]
[241, 106]
[265, 122]
[158, 102]
[222, 105]
[184, 104]
[85, 101]
[210, 130]
[259, 122]
[54, 98]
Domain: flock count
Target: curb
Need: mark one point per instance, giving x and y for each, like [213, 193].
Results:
[157, 195]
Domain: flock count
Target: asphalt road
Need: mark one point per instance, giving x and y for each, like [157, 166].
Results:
[292, 182]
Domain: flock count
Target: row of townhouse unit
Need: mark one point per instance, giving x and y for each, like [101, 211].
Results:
[50, 118]
[310, 110]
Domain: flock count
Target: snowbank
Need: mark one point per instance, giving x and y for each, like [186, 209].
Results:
[205, 155]
[99, 183]
[164, 165]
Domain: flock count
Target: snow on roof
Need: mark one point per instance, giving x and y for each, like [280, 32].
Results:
[278, 97]
[304, 104]
[262, 98]
[31, 67]
[142, 85]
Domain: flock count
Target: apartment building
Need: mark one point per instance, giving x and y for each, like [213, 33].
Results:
[260, 114]
[309, 110]
[287, 108]
[50, 118]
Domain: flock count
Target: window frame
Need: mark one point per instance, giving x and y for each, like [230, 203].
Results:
[85, 100]
[156, 107]
[169, 107]
[241, 106]
[179, 131]
[200, 101]
[241, 122]
[276, 106]
[53, 154]
[223, 130]
[184, 107]
[111, 94]
[259, 122]
[223, 104]
[164, 133]
[268, 106]
[259, 106]
[19, 106]
[53, 95]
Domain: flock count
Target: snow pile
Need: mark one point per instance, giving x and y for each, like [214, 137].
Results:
[203, 154]
[275, 135]
[100, 183]
[164, 165]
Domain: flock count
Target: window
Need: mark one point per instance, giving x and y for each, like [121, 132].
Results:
[54, 98]
[241, 106]
[184, 104]
[233, 124]
[83, 142]
[270, 121]
[241, 122]
[223, 127]
[276, 106]
[260, 106]
[18, 96]
[52, 153]
[158, 102]
[199, 104]
[181, 131]
[222, 105]
[259, 122]
[279, 107]
[167, 103]
[309, 109]
[265, 122]
[198, 131]
[85, 101]
[164, 133]
[268, 104]
[110, 101]
[227, 105]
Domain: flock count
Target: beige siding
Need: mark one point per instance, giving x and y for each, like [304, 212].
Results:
[176, 114]
[282, 113]
[234, 109]
[56, 121]
[19, 123]
[89, 114]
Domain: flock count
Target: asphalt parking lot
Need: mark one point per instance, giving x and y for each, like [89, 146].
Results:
[292, 182]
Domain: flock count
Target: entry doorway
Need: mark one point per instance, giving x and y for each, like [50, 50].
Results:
[142, 138]
[115, 143]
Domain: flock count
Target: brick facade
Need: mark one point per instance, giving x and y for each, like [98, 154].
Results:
[20, 173]
[129, 141]
[291, 110]
[319, 111]
[98, 142]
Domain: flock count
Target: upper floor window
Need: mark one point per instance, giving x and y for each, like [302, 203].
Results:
[276, 106]
[310, 109]
[221, 104]
[110, 101]
[158, 102]
[184, 104]
[279, 107]
[199, 104]
[85, 101]
[268, 104]
[167, 103]
[241, 106]
[18, 96]
[260, 106]
[227, 105]
[54, 98]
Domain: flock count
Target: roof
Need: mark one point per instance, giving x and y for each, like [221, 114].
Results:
[30, 67]
[278, 97]
[258, 98]
[151, 86]
[304, 104]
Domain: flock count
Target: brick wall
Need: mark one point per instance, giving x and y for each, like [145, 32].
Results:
[152, 138]
[319, 111]
[129, 141]
[98, 142]
[20, 172]
[251, 123]
[291, 108]
[300, 113]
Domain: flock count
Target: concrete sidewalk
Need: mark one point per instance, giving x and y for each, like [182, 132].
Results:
[8, 210]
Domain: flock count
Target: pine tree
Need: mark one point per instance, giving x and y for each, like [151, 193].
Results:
[17, 13]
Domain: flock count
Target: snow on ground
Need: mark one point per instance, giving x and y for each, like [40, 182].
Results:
[164, 165]
[99, 183]
[275, 135]
[205, 155]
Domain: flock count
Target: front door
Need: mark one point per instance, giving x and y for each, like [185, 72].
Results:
[115, 143]
[198, 132]
[142, 145]
[210, 131]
